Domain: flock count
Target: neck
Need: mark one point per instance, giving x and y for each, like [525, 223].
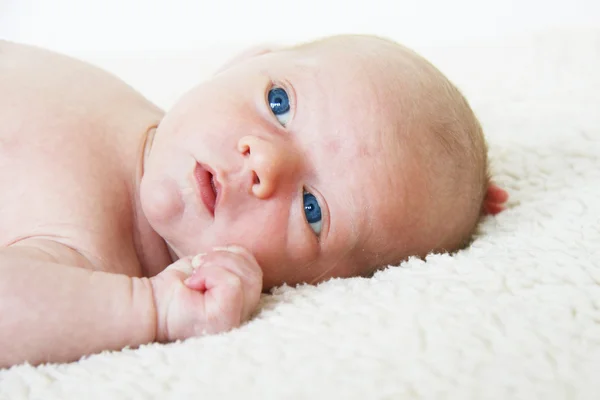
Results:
[153, 253]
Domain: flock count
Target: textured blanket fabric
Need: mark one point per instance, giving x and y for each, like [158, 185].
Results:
[514, 316]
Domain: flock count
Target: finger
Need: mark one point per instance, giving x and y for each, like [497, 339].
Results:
[196, 281]
[182, 265]
[242, 263]
[239, 250]
[224, 298]
[250, 282]
[248, 270]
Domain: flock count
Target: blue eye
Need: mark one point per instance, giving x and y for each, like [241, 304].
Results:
[312, 211]
[280, 104]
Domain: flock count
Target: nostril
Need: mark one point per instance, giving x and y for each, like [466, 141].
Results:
[244, 149]
[256, 179]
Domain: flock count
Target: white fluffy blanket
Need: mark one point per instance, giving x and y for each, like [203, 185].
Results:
[514, 316]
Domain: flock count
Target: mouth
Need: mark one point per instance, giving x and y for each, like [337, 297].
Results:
[208, 187]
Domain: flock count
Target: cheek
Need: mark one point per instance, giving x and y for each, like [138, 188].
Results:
[210, 122]
[332, 146]
[281, 247]
[261, 228]
[161, 201]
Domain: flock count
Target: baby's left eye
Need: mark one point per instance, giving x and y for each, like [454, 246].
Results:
[312, 212]
[280, 104]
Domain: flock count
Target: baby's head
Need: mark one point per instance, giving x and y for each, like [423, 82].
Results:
[328, 159]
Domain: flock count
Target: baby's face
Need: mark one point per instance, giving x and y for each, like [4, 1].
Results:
[286, 155]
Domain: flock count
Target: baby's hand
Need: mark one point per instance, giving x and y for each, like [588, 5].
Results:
[209, 293]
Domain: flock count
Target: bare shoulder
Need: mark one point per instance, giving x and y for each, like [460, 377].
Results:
[64, 128]
[61, 78]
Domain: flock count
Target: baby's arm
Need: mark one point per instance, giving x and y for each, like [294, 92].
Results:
[55, 313]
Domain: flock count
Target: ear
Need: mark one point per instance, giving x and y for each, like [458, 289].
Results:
[494, 200]
[247, 54]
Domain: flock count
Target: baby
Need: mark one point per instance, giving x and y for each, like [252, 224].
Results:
[122, 225]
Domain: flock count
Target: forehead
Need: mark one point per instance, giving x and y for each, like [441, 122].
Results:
[339, 96]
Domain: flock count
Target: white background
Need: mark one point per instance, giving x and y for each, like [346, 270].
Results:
[114, 26]
[164, 47]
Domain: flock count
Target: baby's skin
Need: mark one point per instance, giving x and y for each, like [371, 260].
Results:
[122, 225]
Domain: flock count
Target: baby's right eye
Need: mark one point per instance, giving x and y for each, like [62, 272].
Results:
[280, 104]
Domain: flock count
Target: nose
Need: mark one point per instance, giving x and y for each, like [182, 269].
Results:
[271, 162]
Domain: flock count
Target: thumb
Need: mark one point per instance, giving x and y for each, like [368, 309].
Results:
[183, 265]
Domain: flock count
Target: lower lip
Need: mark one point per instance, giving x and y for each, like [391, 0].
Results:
[205, 190]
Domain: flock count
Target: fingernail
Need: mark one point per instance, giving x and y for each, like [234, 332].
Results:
[185, 268]
[197, 260]
[232, 249]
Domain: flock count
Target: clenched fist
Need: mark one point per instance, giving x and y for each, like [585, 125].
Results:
[209, 293]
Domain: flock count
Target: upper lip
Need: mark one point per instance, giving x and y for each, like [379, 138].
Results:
[208, 186]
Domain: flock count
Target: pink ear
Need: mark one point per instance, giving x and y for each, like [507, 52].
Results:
[495, 198]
